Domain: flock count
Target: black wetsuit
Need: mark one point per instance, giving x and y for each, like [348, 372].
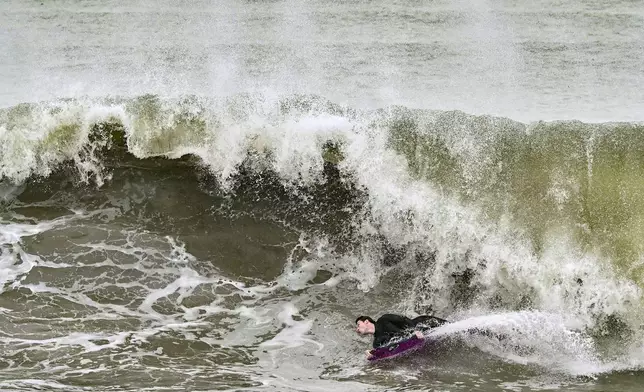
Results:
[393, 326]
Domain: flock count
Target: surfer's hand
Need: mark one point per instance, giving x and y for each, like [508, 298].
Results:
[369, 355]
[419, 335]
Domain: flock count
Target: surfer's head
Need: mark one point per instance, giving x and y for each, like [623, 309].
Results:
[365, 325]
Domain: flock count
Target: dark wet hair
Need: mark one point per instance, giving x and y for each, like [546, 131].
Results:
[363, 318]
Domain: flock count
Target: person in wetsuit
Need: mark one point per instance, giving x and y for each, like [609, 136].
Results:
[393, 327]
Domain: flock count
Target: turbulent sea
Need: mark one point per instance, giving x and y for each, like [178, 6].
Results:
[201, 195]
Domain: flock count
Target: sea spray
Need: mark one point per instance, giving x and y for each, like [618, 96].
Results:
[528, 337]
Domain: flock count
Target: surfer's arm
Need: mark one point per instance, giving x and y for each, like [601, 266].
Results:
[380, 338]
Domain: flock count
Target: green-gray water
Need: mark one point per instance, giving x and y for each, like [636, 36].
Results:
[203, 196]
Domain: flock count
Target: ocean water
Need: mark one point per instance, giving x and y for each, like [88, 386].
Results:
[204, 195]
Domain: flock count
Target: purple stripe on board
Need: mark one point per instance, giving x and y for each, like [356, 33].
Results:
[395, 349]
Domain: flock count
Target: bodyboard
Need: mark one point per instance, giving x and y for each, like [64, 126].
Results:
[396, 349]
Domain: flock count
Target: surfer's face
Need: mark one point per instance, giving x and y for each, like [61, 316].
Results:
[364, 327]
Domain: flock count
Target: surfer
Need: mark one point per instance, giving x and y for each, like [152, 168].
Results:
[392, 326]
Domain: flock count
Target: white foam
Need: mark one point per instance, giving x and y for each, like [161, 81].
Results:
[22, 152]
[293, 333]
[39, 384]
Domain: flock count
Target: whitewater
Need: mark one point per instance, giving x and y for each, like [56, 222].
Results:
[204, 196]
